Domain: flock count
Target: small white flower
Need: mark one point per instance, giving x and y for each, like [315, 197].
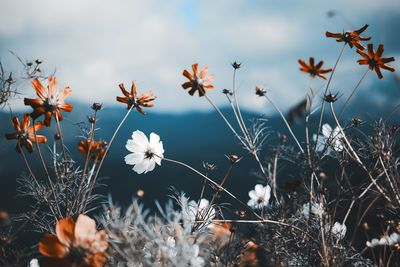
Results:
[338, 230]
[316, 209]
[332, 137]
[373, 243]
[34, 263]
[202, 209]
[259, 197]
[144, 154]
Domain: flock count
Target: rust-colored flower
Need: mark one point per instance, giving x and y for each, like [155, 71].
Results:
[133, 100]
[25, 134]
[312, 69]
[74, 244]
[50, 101]
[352, 38]
[97, 149]
[374, 60]
[198, 81]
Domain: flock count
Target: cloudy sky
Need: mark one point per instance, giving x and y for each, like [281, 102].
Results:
[94, 45]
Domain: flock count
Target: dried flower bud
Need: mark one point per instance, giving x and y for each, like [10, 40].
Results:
[282, 138]
[322, 175]
[10, 79]
[38, 61]
[331, 13]
[209, 166]
[29, 64]
[260, 90]
[140, 193]
[233, 158]
[330, 98]
[4, 218]
[227, 92]
[57, 136]
[91, 119]
[97, 106]
[236, 65]
[356, 121]
[365, 226]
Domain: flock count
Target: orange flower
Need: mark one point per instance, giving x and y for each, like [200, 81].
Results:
[352, 38]
[374, 60]
[50, 102]
[75, 244]
[135, 101]
[25, 134]
[199, 81]
[314, 70]
[97, 149]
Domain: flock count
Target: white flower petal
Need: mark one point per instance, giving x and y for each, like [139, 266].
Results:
[140, 137]
[134, 158]
[154, 139]
[326, 130]
[252, 194]
[151, 166]
[140, 167]
[134, 146]
[259, 189]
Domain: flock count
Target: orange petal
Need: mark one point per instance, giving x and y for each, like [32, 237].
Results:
[378, 72]
[65, 231]
[122, 87]
[311, 62]
[333, 35]
[33, 102]
[26, 121]
[47, 118]
[52, 86]
[195, 69]
[379, 52]
[101, 241]
[49, 246]
[16, 124]
[187, 85]
[66, 93]
[85, 230]
[97, 260]
[370, 50]
[133, 89]
[66, 107]
[188, 75]
[40, 91]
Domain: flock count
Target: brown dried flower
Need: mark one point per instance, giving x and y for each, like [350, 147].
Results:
[25, 134]
[313, 70]
[352, 38]
[375, 61]
[198, 81]
[50, 102]
[133, 100]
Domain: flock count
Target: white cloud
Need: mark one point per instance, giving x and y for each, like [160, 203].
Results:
[95, 45]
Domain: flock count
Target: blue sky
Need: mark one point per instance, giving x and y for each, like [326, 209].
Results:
[95, 45]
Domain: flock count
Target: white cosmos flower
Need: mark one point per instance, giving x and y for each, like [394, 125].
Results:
[316, 209]
[202, 209]
[34, 263]
[145, 154]
[259, 197]
[333, 137]
[338, 230]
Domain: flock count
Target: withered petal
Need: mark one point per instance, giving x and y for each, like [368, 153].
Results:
[50, 246]
[65, 231]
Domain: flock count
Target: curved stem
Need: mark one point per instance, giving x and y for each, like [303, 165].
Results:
[211, 181]
[105, 155]
[286, 122]
[325, 92]
[352, 93]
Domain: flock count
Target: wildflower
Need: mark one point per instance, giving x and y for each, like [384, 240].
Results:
[352, 38]
[356, 121]
[133, 100]
[374, 60]
[333, 137]
[34, 263]
[75, 244]
[198, 81]
[338, 230]
[260, 90]
[209, 166]
[259, 197]
[50, 102]
[201, 211]
[233, 158]
[96, 149]
[314, 70]
[316, 209]
[25, 134]
[145, 154]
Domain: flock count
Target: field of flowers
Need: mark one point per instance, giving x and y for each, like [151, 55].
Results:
[324, 216]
